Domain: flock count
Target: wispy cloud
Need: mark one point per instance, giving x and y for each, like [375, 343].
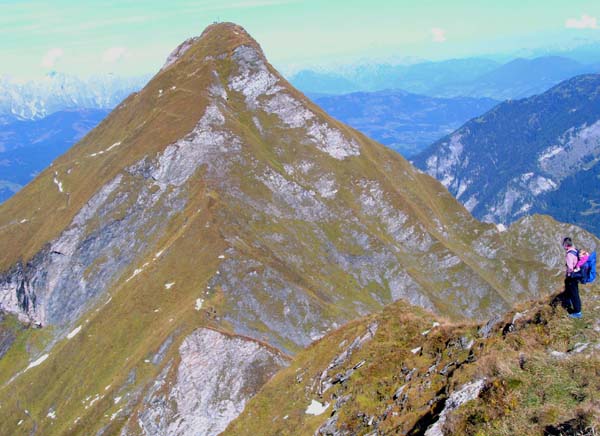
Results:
[585, 22]
[438, 34]
[51, 56]
[260, 3]
[113, 55]
[217, 5]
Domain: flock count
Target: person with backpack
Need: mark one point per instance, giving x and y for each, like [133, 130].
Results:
[572, 298]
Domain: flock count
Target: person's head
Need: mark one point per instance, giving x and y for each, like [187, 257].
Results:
[567, 243]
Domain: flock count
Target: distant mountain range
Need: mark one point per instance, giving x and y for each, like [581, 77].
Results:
[164, 268]
[419, 78]
[57, 92]
[458, 77]
[405, 122]
[27, 147]
[518, 78]
[536, 155]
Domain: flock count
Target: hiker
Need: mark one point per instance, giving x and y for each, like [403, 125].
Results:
[571, 283]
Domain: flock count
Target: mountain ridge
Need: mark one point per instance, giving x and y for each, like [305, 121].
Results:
[543, 150]
[405, 371]
[220, 199]
[403, 121]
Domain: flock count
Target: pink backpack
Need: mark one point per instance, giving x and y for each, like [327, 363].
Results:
[582, 260]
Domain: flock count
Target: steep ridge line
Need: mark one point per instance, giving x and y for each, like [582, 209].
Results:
[282, 224]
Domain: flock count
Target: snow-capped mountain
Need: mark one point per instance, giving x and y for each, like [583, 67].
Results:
[536, 155]
[58, 91]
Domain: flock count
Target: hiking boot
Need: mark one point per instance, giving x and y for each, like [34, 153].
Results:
[577, 315]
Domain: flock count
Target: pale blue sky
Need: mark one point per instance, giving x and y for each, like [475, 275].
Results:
[134, 36]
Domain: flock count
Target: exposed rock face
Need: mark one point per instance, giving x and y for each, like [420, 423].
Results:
[210, 385]
[89, 256]
[220, 196]
[466, 393]
[416, 376]
[529, 156]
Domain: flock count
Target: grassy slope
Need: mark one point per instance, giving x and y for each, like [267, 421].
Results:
[527, 389]
[122, 334]
[145, 123]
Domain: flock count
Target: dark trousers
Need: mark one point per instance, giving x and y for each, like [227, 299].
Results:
[572, 294]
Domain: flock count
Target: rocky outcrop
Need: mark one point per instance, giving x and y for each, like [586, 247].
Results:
[466, 393]
[208, 387]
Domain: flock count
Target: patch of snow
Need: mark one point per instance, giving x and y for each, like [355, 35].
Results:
[37, 362]
[316, 408]
[23, 221]
[415, 350]
[58, 183]
[51, 414]
[135, 273]
[169, 285]
[527, 176]
[117, 400]
[20, 422]
[116, 144]
[550, 152]
[199, 303]
[315, 336]
[73, 332]
[222, 256]
[94, 400]
[114, 415]
[501, 228]
[98, 153]
[542, 184]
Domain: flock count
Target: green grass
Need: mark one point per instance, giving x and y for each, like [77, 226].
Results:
[527, 388]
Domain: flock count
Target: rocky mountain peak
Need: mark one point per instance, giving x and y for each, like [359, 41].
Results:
[216, 41]
[220, 206]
